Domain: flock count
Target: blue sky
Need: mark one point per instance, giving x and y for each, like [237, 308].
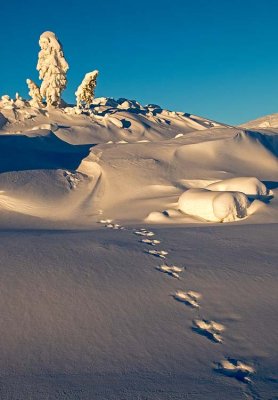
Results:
[217, 59]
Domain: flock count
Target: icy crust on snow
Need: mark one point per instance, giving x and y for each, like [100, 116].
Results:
[214, 206]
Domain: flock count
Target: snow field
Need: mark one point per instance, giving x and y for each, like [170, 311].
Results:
[210, 329]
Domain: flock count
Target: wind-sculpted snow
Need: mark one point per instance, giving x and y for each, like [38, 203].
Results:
[138, 160]
[249, 185]
[37, 150]
[106, 120]
[99, 298]
[214, 206]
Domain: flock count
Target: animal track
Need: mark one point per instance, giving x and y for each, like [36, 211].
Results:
[105, 221]
[114, 226]
[210, 329]
[190, 298]
[157, 253]
[170, 270]
[151, 242]
[109, 224]
[144, 232]
[235, 369]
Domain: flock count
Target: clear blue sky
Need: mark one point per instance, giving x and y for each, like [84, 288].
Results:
[214, 58]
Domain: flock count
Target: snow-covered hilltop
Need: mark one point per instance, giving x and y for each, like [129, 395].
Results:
[123, 160]
[78, 168]
[107, 119]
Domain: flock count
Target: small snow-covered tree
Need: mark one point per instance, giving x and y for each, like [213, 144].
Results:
[86, 90]
[52, 68]
[34, 93]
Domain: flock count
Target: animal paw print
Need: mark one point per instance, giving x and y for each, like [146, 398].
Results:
[190, 297]
[157, 253]
[171, 270]
[211, 329]
[235, 369]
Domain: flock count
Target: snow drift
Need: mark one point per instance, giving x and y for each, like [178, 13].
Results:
[137, 160]
[249, 185]
[214, 206]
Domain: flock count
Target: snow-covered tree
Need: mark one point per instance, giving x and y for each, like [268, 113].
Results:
[86, 90]
[52, 68]
[34, 93]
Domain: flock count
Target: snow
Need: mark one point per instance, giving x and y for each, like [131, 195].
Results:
[236, 369]
[34, 93]
[251, 186]
[189, 298]
[116, 122]
[210, 329]
[117, 278]
[214, 206]
[86, 90]
[52, 68]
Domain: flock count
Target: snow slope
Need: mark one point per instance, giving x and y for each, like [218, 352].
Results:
[127, 169]
[111, 290]
[86, 315]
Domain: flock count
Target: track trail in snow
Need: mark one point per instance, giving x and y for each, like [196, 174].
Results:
[211, 330]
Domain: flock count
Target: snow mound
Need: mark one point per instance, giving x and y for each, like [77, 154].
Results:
[157, 217]
[105, 101]
[126, 104]
[249, 185]
[213, 206]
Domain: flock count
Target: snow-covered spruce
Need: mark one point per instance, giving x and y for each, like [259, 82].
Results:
[86, 90]
[34, 93]
[52, 68]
